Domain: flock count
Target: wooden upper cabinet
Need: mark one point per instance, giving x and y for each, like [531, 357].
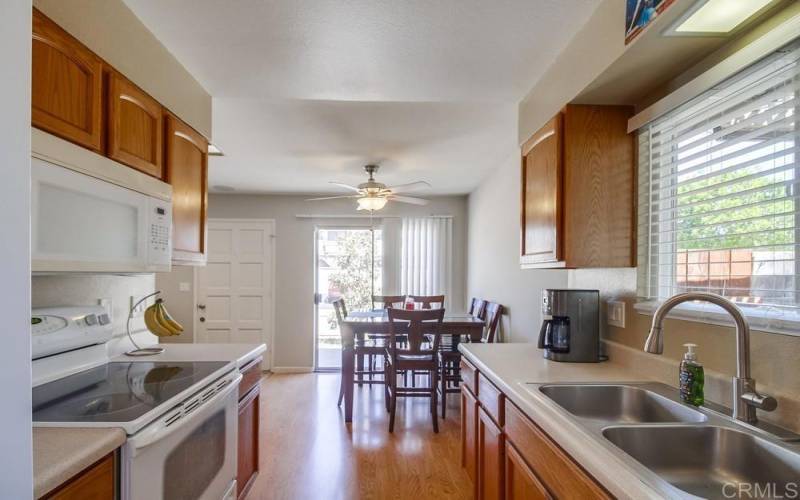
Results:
[67, 85]
[599, 187]
[187, 172]
[578, 190]
[541, 194]
[135, 126]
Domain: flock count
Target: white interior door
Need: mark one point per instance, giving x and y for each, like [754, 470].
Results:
[235, 290]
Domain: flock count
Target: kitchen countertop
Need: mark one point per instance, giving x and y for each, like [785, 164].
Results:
[510, 366]
[60, 453]
[238, 353]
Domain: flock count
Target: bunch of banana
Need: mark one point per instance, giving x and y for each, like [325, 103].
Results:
[159, 322]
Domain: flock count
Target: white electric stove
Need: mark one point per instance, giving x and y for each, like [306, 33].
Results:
[180, 417]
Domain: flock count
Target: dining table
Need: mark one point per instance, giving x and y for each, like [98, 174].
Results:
[358, 324]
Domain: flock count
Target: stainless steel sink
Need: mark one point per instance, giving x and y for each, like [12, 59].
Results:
[620, 404]
[690, 452]
[702, 460]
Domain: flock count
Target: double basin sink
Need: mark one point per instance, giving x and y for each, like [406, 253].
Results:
[698, 452]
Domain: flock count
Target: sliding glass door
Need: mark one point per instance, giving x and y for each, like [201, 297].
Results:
[348, 264]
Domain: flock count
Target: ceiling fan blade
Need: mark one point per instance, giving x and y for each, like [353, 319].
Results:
[409, 199]
[346, 186]
[334, 197]
[411, 186]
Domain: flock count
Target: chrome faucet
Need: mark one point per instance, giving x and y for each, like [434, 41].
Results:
[745, 397]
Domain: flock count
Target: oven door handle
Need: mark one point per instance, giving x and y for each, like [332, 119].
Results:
[159, 430]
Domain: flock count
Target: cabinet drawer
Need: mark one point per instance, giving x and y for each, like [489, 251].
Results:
[491, 399]
[469, 375]
[251, 375]
[560, 474]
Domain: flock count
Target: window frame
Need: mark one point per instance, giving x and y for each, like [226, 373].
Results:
[782, 319]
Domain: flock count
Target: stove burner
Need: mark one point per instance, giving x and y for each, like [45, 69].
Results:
[117, 392]
[102, 405]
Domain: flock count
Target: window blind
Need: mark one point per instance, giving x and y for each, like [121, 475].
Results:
[719, 183]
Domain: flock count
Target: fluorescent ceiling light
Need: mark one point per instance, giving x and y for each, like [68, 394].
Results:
[718, 16]
[371, 203]
[214, 150]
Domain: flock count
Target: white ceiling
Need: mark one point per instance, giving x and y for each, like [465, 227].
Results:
[306, 91]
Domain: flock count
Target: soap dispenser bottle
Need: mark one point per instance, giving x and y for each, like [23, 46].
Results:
[691, 377]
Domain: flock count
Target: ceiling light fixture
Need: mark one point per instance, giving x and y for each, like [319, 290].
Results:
[214, 150]
[715, 17]
[371, 203]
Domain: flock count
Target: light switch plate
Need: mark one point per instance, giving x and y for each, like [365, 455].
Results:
[616, 313]
[184, 286]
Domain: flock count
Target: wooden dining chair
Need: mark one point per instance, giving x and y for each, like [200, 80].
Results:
[492, 314]
[419, 353]
[362, 348]
[384, 302]
[429, 301]
[476, 307]
[388, 301]
[450, 357]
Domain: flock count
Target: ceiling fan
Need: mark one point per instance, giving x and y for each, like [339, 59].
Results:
[373, 195]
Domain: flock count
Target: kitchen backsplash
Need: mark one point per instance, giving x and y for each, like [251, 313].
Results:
[78, 290]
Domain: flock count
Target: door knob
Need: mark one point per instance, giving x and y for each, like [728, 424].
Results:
[202, 319]
[202, 307]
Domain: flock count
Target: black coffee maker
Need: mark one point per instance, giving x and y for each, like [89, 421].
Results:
[571, 328]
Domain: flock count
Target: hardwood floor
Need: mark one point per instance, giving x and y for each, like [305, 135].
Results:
[307, 452]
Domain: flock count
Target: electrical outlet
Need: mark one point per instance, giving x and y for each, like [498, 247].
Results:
[615, 310]
[139, 310]
[108, 306]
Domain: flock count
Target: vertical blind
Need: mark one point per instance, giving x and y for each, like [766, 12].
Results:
[426, 256]
[718, 190]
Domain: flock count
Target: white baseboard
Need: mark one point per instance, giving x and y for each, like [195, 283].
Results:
[292, 369]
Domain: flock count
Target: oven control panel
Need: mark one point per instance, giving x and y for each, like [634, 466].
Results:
[59, 329]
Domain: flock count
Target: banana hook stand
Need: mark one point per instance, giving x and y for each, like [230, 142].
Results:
[140, 351]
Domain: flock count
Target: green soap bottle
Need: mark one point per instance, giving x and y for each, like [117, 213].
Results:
[691, 377]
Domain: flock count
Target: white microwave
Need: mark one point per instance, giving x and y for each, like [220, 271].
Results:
[93, 215]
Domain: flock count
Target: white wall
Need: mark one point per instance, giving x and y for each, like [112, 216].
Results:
[294, 286]
[80, 290]
[599, 43]
[15, 356]
[180, 303]
[493, 270]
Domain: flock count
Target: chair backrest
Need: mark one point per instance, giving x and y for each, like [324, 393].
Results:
[477, 308]
[492, 314]
[388, 301]
[341, 310]
[428, 301]
[420, 324]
